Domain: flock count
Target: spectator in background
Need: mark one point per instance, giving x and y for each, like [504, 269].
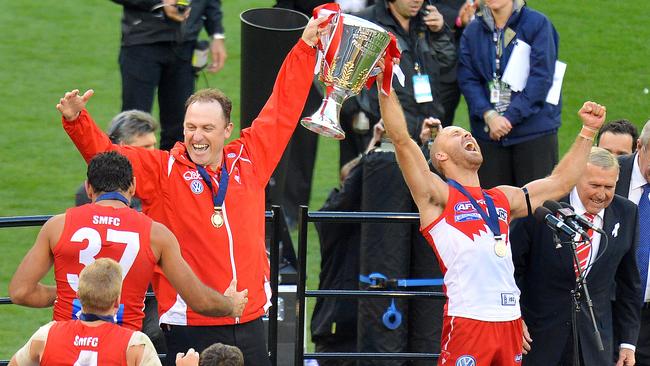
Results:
[158, 41]
[546, 276]
[131, 128]
[517, 131]
[102, 341]
[457, 14]
[634, 183]
[618, 137]
[426, 47]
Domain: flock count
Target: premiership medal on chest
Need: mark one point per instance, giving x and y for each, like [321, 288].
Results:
[500, 248]
[217, 218]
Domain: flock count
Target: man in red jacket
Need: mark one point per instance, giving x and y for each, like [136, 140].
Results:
[211, 195]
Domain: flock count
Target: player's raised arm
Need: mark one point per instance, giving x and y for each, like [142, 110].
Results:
[428, 190]
[565, 175]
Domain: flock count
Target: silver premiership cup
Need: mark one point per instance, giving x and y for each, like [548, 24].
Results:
[361, 45]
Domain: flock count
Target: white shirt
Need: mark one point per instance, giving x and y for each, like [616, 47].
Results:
[637, 181]
[579, 209]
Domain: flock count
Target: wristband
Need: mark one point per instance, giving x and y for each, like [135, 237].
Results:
[218, 36]
[594, 130]
[586, 137]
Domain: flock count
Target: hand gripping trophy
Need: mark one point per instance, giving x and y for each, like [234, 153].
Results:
[348, 53]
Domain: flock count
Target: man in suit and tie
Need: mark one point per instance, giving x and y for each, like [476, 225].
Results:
[634, 184]
[547, 276]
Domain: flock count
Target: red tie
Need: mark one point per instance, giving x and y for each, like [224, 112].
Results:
[584, 249]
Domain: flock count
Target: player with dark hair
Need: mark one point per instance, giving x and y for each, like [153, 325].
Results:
[108, 228]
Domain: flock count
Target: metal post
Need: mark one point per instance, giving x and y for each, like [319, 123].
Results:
[303, 220]
[274, 259]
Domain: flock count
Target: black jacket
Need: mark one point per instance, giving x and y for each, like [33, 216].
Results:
[546, 277]
[144, 22]
[432, 51]
[339, 248]
[626, 164]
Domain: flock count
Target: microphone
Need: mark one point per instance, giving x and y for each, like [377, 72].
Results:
[543, 214]
[568, 216]
[581, 219]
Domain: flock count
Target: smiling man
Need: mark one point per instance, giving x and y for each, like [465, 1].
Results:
[211, 195]
[547, 276]
[468, 229]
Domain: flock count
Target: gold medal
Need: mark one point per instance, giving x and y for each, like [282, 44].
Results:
[217, 218]
[500, 248]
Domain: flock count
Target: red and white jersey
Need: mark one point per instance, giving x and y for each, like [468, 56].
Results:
[74, 343]
[479, 284]
[94, 231]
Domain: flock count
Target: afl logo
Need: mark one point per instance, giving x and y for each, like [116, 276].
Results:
[231, 155]
[196, 186]
[466, 361]
[465, 211]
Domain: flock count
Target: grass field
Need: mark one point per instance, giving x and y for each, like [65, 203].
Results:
[50, 47]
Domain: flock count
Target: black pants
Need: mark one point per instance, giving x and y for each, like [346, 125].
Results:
[249, 337]
[336, 344]
[642, 353]
[167, 67]
[518, 164]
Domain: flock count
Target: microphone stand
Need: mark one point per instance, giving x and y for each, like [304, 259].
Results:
[581, 284]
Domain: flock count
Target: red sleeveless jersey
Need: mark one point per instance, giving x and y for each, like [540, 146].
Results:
[73, 343]
[93, 231]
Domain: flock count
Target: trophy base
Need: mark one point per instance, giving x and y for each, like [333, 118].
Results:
[323, 127]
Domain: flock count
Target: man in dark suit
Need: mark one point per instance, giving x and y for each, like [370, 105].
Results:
[546, 275]
[634, 184]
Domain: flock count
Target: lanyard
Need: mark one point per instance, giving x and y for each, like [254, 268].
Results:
[497, 52]
[492, 220]
[220, 195]
[113, 196]
[93, 317]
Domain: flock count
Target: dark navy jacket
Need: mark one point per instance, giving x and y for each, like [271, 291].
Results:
[528, 112]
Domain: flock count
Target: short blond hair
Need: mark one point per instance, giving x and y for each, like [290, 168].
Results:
[603, 158]
[100, 285]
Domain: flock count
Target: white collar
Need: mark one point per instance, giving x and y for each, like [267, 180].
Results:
[578, 207]
[637, 180]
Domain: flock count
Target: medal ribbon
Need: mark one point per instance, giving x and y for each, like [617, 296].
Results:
[492, 220]
[220, 195]
[93, 317]
[113, 196]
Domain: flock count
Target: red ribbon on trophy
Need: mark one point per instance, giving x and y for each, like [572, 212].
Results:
[392, 51]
